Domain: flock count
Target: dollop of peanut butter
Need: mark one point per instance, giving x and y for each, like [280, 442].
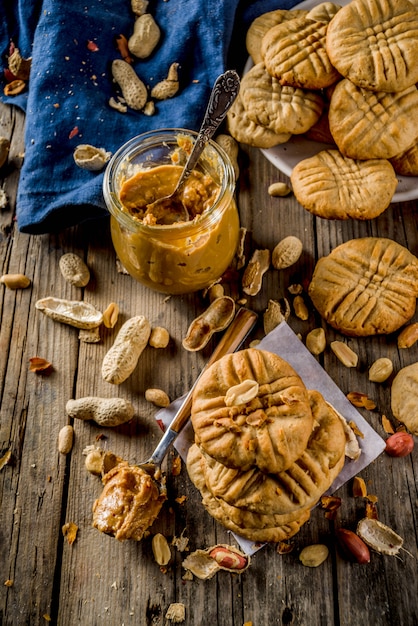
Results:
[129, 503]
[148, 185]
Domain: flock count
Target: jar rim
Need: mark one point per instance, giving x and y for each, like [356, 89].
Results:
[115, 206]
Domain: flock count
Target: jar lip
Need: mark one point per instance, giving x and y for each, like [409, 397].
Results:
[114, 205]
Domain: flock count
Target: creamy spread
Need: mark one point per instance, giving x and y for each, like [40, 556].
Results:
[162, 246]
[148, 185]
[129, 503]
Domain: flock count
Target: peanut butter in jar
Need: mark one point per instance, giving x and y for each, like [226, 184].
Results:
[184, 256]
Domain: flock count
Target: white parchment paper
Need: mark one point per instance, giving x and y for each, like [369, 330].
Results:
[283, 341]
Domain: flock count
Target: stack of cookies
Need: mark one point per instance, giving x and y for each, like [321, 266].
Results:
[266, 448]
[345, 76]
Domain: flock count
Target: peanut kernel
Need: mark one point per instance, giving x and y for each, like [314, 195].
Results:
[408, 336]
[301, 310]
[316, 341]
[344, 353]
[278, 190]
[159, 337]
[157, 397]
[161, 549]
[380, 370]
[15, 281]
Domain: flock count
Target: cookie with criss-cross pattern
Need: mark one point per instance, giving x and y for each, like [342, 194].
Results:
[279, 108]
[366, 286]
[406, 163]
[332, 186]
[262, 24]
[270, 431]
[298, 487]
[264, 528]
[245, 130]
[372, 124]
[294, 52]
[374, 43]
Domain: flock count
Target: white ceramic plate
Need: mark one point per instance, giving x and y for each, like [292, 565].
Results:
[285, 156]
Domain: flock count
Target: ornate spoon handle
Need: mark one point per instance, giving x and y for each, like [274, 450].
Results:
[223, 94]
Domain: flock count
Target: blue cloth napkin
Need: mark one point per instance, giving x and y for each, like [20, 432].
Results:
[70, 86]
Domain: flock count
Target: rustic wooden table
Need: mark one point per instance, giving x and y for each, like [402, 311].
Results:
[98, 580]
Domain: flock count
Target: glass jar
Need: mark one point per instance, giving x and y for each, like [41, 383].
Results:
[185, 256]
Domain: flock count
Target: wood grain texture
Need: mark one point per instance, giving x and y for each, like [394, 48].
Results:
[98, 580]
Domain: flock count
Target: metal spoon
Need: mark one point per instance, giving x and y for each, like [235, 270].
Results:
[223, 94]
[234, 336]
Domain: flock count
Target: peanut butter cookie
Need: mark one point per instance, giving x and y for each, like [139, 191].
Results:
[372, 124]
[366, 286]
[270, 431]
[335, 187]
[294, 52]
[374, 43]
[279, 108]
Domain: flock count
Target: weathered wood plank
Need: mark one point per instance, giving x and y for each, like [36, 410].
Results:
[98, 580]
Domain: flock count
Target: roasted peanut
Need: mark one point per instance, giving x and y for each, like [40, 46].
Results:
[399, 444]
[206, 563]
[228, 558]
[279, 189]
[254, 272]
[316, 341]
[65, 439]
[111, 315]
[73, 312]
[15, 281]
[157, 397]
[352, 546]
[286, 252]
[168, 87]
[145, 37]
[301, 310]
[242, 393]
[217, 317]
[122, 358]
[408, 336]
[159, 337]
[161, 549]
[133, 89]
[314, 555]
[74, 270]
[344, 353]
[380, 370]
[104, 411]
[99, 462]
[149, 108]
